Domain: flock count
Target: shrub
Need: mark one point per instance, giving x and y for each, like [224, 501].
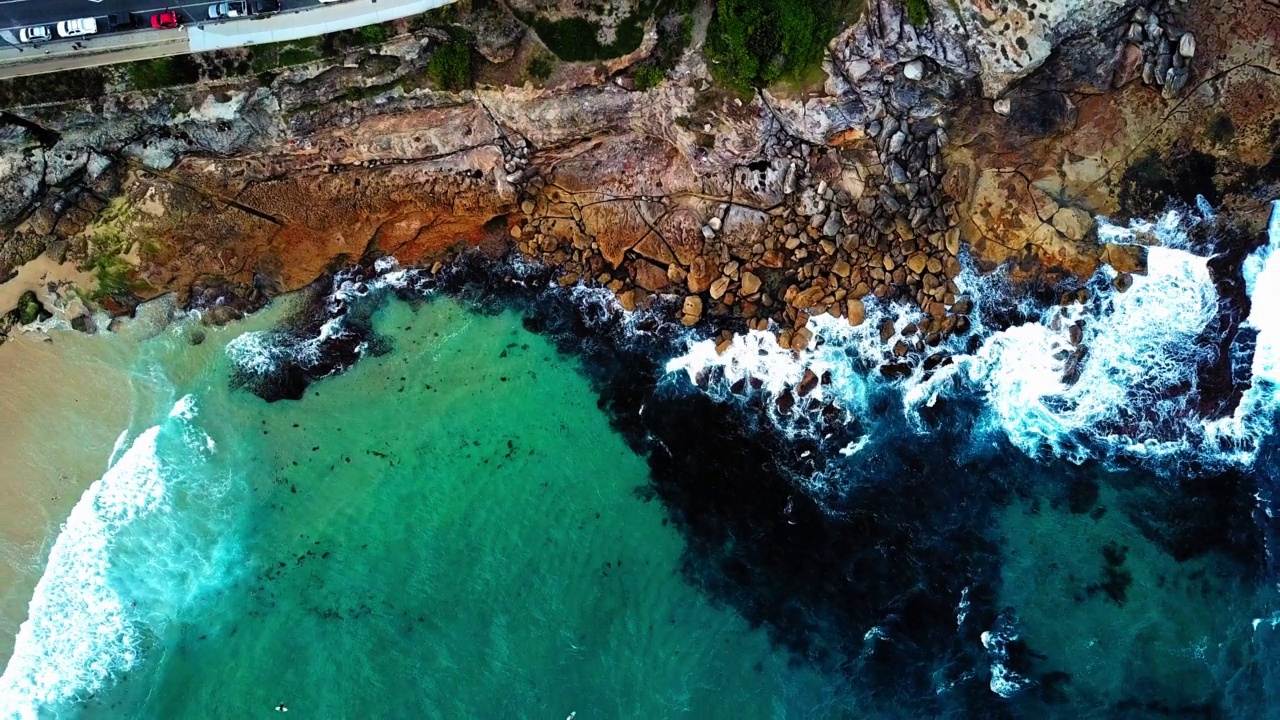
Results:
[371, 34]
[540, 67]
[649, 76]
[450, 66]
[917, 12]
[753, 43]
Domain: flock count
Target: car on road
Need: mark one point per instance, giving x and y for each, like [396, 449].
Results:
[39, 33]
[217, 11]
[164, 20]
[72, 28]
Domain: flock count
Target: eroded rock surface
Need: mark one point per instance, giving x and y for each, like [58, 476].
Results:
[762, 211]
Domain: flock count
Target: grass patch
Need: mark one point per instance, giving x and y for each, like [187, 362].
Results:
[274, 56]
[450, 66]
[162, 72]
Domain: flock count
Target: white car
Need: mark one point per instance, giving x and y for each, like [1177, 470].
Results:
[72, 28]
[39, 33]
[221, 10]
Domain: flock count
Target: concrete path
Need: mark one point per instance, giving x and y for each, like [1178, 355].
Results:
[112, 48]
[97, 50]
[306, 23]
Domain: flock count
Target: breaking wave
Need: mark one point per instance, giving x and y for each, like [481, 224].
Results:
[144, 543]
[1114, 375]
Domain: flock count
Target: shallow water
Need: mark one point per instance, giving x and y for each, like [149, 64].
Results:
[450, 529]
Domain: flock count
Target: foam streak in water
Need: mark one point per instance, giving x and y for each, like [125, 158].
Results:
[102, 596]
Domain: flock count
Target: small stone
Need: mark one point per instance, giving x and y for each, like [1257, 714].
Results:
[913, 70]
[691, 310]
[897, 142]
[750, 283]
[526, 207]
[935, 265]
[1174, 80]
[1187, 46]
[856, 312]
[917, 263]
[858, 69]
[897, 173]
[714, 224]
[800, 339]
[719, 287]
[627, 299]
[1002, 106]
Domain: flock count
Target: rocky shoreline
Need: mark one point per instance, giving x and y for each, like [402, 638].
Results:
[991, 131]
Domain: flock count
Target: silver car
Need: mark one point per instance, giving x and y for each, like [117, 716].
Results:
[39, 33]
[217, 11]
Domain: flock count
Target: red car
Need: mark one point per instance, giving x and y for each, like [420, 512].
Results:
[165, 20]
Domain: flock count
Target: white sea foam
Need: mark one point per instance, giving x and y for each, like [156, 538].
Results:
[1129, 388]
[135, 551]
[1136, 384]
[1254, 418]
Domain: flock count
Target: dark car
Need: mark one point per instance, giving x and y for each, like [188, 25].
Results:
[166, 19]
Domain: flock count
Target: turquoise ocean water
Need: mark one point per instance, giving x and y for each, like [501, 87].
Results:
[451, 530]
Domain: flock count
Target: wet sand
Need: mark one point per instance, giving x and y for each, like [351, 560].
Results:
[37, 275]
[49, 388]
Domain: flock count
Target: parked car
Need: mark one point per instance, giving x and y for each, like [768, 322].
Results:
[39, 33]
[217, 11]
[166, 19]
[72, 28]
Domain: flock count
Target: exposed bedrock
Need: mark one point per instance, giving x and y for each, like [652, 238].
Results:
[991, 127]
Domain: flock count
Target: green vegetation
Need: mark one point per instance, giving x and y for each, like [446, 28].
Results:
[450, 66]
[115, 278]
[540, 67]
[372, 34]
[675, 32]
[917, 12]
[29, 309]
[272, 56]
[755, 43]
[649, 76]
[162, 72]
[577, 39]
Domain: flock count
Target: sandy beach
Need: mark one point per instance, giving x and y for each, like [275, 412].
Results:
[69, 387]
[37, 275]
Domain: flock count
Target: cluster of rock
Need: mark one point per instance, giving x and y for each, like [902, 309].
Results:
[837, 205]
[807, 230]
[1163, 50]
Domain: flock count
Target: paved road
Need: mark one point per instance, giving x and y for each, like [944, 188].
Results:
[24, 13]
